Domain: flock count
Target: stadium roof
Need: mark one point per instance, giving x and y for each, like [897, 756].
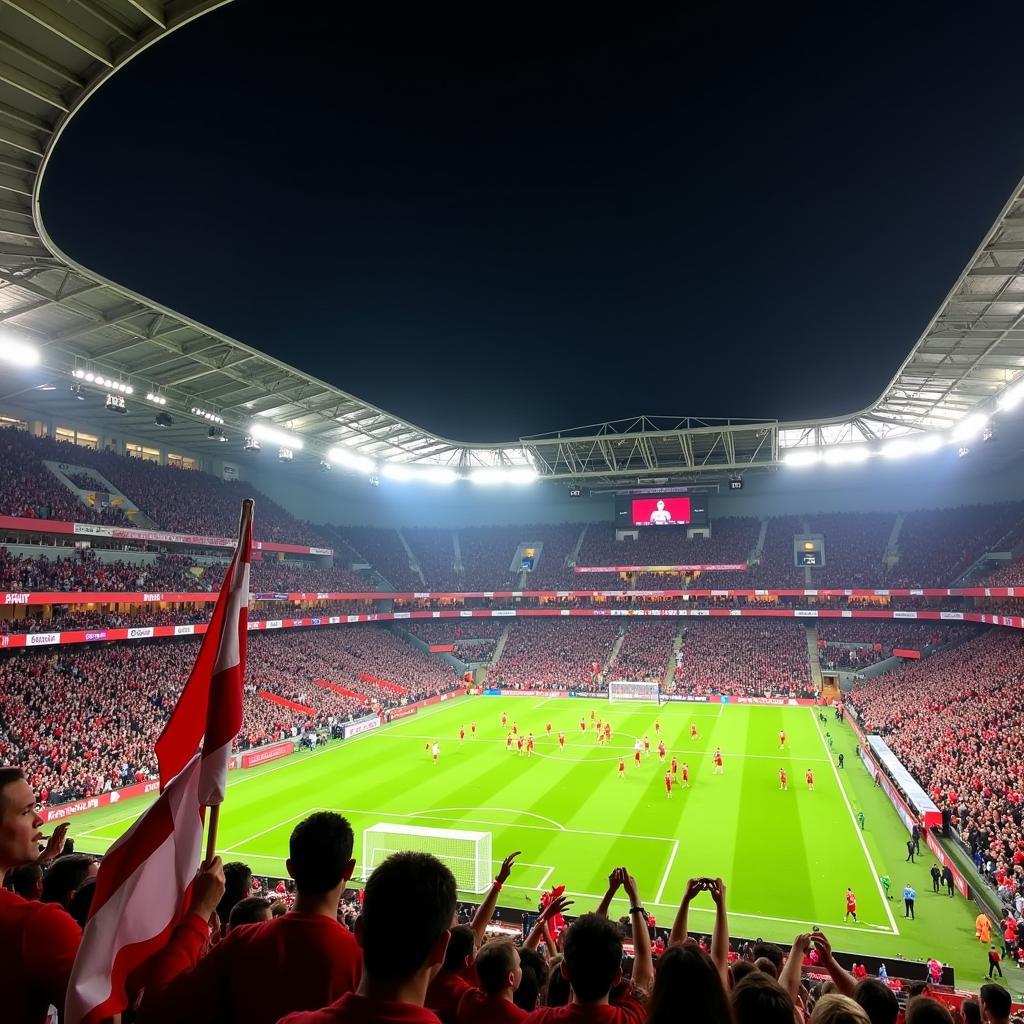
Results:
[54, 55]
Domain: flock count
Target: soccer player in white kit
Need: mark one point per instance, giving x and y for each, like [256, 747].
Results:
[435, 750]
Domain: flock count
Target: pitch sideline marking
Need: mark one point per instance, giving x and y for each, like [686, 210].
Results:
[853, 822]
[668, 869]
[544, 881]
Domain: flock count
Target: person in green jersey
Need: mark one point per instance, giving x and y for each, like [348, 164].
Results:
[860, 820]
[886, 882]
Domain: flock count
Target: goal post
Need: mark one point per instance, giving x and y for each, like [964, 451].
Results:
[626, 690]
[467, 854]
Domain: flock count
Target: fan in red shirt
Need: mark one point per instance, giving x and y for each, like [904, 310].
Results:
[593, 966]
[457, 975]
[497, 967]
[303, 959]
[418, 891]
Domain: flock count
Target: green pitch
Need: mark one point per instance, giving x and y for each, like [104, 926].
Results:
[786, 857]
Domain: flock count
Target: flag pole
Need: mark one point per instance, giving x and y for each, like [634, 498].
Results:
[244, 522]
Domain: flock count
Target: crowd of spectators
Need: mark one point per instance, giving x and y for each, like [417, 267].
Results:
[473, 639]
[856, 643]
[268, 575]
[855, 545]
[560, 654]
[82, 569]
[28, 489]
[489, 556]
[752, 657]
[383, 549]
[179, 500]
[434, 551]
[645, 652]
[954, 721]
[1010, 574]
[84, 720]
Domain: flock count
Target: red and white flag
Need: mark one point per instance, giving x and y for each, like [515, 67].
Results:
[145, 877]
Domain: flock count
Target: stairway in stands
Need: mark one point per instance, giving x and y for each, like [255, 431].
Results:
[99, 485]
[812, 653]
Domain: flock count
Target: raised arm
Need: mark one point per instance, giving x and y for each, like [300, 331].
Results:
[614, 881]
[484, 913]
[792, 971]
[540, 929]
[679, 929]
[643, 964]
[720, 936]
[845, 981]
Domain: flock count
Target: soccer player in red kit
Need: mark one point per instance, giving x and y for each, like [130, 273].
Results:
[783, 783]
[622, 767]
[661, 750]
[719, 768]
[561, 740]
[810, 780]
[504, 720]
[675, 768]
[508, 742]
[473, 729]
[549, 728]
[693, 730]
[851, 905]
[462, 735]
[782, 738]
[529, 745]
[668, 784]
[686, 775]
[636, 757]
[647, 745]
[657, 726]
[519, 745]
[593, 714]
[583, 724]
[607, 732]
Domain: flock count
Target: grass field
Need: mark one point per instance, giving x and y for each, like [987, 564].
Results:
[786, 857]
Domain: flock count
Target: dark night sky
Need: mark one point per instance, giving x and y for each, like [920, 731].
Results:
[504, 222]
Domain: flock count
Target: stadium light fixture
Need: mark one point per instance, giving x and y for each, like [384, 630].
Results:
[969, 427]
[802, 457]
[844, 455]
[1011, 397]
[19, 353]
[152, 396]
[275, 436]
[352, 460]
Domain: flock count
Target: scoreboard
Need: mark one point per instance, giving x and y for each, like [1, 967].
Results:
[809, 550]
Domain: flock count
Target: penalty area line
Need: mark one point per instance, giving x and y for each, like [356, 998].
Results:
[668, 870]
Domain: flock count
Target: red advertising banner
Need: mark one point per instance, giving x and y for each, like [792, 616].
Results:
[441, 648]
[292, 705]
[272, 753]
[328, 685]
[738, 567]
[906, 652]
[405, 712]
[89, 803]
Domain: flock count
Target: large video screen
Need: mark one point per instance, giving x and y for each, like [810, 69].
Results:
[660, 510]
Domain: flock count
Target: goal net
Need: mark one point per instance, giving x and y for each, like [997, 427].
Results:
[620, 690]
[467, 854]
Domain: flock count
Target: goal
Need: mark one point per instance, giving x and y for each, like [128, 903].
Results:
[467, 854]
[625, 690]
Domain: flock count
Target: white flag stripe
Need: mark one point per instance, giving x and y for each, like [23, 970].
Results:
[146, 902]
[227, 651]
[213, 775]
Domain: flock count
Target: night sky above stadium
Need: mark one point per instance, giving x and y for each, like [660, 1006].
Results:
[511, 221]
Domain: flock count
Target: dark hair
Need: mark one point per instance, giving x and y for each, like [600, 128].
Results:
[9, 776]
[688, 977]
[559, 992]
[916, 988]
[460, 945]
[760, 999]
[416, 890]
[878, 1000]
[320, 849]
[494, 963]
[996, 999]
[971, 1010]
[739, 969]
[24, 880]
[237, 883]
[922, 1010]
[248, 911]
[535, 977]
[81, 903]
[64, 876]
[766, 966]
[593, 956]
[770, 951]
